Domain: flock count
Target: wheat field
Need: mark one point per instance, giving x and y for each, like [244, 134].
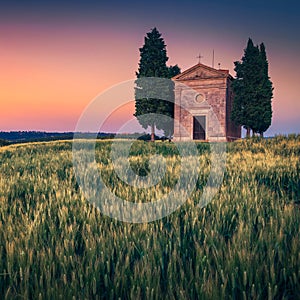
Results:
[243, 245]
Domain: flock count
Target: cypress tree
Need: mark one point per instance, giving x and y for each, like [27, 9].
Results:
[153, 59]
[253, 90]
[264, 95]
[243, 89]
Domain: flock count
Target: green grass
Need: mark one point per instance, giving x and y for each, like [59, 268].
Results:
[244, 245]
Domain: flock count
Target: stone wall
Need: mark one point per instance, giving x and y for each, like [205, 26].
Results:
[233, 131]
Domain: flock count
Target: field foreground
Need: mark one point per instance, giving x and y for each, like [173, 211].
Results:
[243, 245]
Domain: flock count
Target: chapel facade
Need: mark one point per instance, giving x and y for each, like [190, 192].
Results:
[203, 104]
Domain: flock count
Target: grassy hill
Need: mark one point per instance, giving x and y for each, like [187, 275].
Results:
[243, 245]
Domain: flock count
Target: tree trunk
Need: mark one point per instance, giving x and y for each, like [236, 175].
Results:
[152, 133]
[261, 134]
[248, 133]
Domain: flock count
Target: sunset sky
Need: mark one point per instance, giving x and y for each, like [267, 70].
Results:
[55, 58]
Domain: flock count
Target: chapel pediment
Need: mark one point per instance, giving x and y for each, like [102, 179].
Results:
[201, 71]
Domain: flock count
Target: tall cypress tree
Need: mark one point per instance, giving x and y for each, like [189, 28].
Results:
[253, 90]
[264, 97]
[153, 59]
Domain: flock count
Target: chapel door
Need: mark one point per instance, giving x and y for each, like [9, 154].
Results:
[199, 128]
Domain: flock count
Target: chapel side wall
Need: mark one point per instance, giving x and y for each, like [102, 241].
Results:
[233, 130]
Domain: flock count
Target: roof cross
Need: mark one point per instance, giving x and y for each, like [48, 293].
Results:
[199, 56]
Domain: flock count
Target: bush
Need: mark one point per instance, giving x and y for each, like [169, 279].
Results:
[3, 142]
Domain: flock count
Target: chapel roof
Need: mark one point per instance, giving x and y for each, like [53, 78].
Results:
[201, 71]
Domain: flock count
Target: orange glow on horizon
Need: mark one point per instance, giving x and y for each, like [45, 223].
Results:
[119, 117]
[48, 76]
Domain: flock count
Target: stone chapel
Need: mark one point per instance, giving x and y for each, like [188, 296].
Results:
[203, 103]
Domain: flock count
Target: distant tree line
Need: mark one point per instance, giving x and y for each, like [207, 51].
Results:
[4, 142]
[32, 135]
[40, 136]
